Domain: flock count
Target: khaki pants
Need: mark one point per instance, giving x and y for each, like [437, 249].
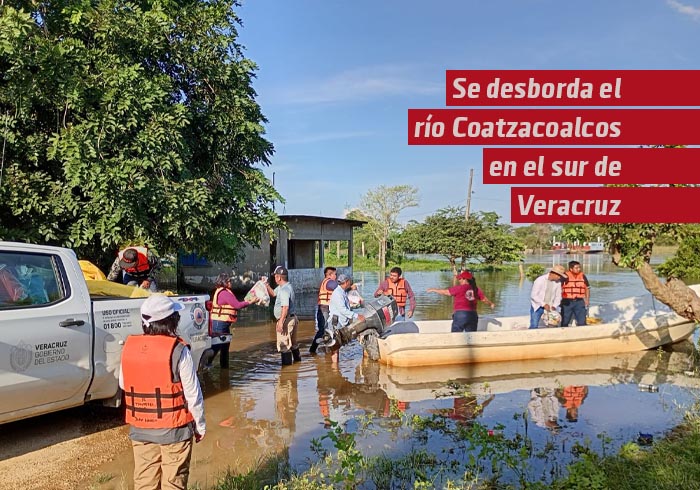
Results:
[161, 466]
[287, 340]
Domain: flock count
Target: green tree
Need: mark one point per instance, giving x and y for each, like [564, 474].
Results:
[536, 237]
[363, 236]
[447, 233]
[124, 122]
[631, 245]
[382, 207]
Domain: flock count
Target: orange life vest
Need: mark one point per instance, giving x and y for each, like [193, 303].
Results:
[324, 295]
[575, 287]
[573, 396]
[224, 313]
[142, 264]
[154, 397]
[398, 291]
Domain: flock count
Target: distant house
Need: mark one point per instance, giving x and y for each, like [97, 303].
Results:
[301, 250]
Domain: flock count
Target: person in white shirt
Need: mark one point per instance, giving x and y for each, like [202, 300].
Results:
[546, 294]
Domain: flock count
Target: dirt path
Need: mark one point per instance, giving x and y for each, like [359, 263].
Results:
[60, 450]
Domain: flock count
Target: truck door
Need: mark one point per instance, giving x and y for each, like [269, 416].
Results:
[45, 335]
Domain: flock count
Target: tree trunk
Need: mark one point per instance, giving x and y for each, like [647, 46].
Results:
[674, 293]
[363, 250]
[337, 249]
[382, 255]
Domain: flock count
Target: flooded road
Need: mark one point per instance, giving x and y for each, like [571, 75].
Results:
[256, 409]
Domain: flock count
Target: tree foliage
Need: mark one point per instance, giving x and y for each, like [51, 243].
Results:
[130, 121]
[537, 236]
[631, 245]
[381, 207]
[448, 233]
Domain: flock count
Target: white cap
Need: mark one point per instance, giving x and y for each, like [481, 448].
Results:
[157, 307]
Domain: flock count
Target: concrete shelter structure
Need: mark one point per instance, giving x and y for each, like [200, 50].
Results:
[301, 249]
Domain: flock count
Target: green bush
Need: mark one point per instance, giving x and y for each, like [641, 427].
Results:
[534, 271]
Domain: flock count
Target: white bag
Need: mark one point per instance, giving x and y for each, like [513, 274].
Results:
[259, 290]
[354, 299]
[551, 318]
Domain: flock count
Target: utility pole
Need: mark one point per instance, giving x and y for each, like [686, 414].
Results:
[469, 194]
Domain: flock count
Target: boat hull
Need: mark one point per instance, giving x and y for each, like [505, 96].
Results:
[434, 345]
[628, 325]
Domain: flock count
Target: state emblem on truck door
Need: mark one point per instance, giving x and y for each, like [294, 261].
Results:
[21, 357]
[198, 316]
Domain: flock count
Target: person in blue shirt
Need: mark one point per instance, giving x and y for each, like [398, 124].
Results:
[340, 313]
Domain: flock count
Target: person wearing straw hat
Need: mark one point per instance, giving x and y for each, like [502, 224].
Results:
[546, 294]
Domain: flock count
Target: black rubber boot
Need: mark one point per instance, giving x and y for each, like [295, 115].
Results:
[287, 359]
[296, 354]
[223, 353]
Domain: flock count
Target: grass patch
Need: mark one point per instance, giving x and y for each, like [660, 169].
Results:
[671, 463]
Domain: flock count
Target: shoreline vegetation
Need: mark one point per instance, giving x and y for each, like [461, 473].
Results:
[416, 265]
[494, 462]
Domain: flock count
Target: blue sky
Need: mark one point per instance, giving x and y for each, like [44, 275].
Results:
[336, 79]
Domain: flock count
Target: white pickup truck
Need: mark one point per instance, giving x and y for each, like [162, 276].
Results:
[59, 347]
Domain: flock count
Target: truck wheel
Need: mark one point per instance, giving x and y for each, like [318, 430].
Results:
[371, 345]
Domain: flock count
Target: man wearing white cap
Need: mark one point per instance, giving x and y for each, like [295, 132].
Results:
[163, 398]
[339, 309]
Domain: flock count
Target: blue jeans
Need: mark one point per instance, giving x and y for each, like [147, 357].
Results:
[464, 321]
[575, 308]
[535, 315]
[219, 327]
[322, 313]
[130, 280]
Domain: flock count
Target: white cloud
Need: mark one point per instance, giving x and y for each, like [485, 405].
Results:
[362, 83]
[688, 10]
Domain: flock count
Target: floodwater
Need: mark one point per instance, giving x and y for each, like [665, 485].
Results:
[256, 408]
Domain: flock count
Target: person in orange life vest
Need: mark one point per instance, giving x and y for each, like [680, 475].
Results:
[465, 295]
[224, 313]
[400, 289]
[575, 295]
[136, 266]
[571, 398]
[157, 370]
[324, 299]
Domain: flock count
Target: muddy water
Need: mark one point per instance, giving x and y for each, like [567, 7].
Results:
[256, 409]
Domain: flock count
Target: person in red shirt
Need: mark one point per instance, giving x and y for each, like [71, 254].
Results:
[465, 295]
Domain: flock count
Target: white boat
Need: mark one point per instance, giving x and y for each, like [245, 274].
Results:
[627, 325]
[587, 248]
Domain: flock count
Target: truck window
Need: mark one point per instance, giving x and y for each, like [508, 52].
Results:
[29, 280]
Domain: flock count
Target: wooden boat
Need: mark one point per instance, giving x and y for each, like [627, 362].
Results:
[627, 325]
[644, 367]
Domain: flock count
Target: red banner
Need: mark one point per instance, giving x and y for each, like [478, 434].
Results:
[605, 205]
[553, 126]
[591, 165]
[572, 88]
